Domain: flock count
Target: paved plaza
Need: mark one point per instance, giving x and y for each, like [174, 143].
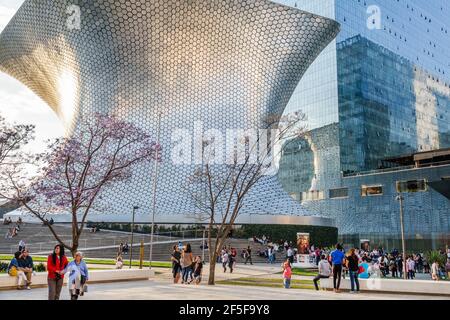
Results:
[161, 290]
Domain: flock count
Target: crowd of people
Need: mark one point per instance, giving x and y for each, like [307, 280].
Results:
[185, 266]
[228, 257]
[22, 267]
[358, 263]
[281, 247]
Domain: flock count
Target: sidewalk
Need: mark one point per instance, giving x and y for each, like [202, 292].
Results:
[158, 290]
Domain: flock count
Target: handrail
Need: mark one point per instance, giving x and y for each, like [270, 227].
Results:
[395, 169]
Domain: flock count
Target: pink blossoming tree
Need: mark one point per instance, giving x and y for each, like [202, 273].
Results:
[76, 170]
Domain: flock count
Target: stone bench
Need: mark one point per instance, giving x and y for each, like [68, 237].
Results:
[393, 286]
[95, 276]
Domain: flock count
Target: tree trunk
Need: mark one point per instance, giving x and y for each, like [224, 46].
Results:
[212, 269]
[74, 248]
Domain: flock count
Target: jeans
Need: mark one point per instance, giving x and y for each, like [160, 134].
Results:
[317, 278]
[354, 280]
[287, 283]
[337, 274]
[54, 288]
[249, 258]
[231, 265]
[187, 272]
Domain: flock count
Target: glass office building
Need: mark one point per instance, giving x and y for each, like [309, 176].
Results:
[378, 107]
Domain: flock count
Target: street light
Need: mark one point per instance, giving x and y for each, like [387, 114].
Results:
[400, 199]
[132, 234]
[155, 182]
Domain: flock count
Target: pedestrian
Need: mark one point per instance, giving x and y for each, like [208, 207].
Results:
[353, 270]
[248, 255]
[119, 261]
[287, 274]
[435, 271]
[198, 267]
[56, 263]
[290, 254]
[317, 255]
[232, 253]
[410, 265]
[447, 268]
[78, 276]
[399, 263]
[224, 258]
[186, 263]
[14, 270]
[21, 245]
[270, 254]
[324, 270]
[125, 248]
[393, 268]
[26, 265]
[337, 257]
[176, 264]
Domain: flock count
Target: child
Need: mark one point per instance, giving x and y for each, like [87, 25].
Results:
[198, 267]
[287, 274]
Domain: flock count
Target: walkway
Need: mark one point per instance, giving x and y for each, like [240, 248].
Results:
[157, 290]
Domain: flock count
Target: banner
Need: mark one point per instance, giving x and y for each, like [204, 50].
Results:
[303, 243]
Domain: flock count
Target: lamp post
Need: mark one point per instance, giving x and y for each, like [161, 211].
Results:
[155, 182]
[400, 199]
[132, 234]
[203, 246]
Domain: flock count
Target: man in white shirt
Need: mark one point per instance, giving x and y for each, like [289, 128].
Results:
[324, 271]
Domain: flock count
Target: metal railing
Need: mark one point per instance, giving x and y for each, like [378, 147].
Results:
[101, 241]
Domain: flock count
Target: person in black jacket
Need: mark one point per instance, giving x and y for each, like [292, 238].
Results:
[353, 270]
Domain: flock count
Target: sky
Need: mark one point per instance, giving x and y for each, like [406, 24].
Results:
[20, 105]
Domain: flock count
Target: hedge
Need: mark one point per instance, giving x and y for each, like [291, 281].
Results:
[319, 236]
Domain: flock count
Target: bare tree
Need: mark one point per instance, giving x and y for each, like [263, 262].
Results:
[76, 170]
[13, 139]
[219, 190]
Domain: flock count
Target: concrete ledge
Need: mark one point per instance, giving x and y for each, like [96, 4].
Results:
[393, 286]
[95, 276]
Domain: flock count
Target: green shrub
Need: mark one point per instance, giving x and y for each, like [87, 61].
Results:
[39, 267]
[3, 267]
[436, 256]
[319, 236]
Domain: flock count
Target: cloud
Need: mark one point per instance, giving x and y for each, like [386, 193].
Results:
[20, 105]
[6, 13]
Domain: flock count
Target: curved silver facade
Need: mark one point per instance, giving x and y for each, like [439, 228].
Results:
[226, 63]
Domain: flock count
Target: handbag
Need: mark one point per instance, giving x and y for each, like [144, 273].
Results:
[13, 271]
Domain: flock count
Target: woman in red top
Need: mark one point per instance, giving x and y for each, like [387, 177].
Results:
[56, 263]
